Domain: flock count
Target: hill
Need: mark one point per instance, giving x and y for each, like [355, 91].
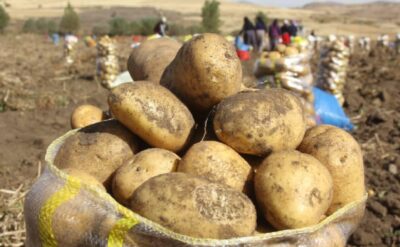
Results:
[325, 18]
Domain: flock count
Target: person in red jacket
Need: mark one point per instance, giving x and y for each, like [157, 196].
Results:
[285, 30]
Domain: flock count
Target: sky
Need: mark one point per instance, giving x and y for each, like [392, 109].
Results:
[299, 3]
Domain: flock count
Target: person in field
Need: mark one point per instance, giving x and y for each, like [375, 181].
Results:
[161, 27]
[274, 33]
[261, 29]
[249, 35]
[285, 30]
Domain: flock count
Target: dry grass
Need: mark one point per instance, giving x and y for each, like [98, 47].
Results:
[12, 225]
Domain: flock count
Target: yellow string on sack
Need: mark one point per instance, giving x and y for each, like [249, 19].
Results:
[66, 193]
[119, 231]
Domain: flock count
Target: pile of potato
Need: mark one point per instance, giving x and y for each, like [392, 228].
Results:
[261, 168]
[289, 68]
[107, 61]
[332, 71]
[149, 60]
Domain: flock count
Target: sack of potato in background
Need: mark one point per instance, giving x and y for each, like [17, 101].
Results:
[289, 68]
[261, 178]
[69, 48]
[107, 61]
[332, 69]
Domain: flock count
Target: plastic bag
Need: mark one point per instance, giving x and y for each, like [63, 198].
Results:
[329, 110]
[61, 210]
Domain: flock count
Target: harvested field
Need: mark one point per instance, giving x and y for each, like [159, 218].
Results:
[38, 91]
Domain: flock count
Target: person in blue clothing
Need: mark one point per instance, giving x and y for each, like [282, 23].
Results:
[292, 29]
[261, 29]
[249, 33]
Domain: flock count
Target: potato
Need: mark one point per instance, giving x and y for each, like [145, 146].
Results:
[98, 149]
[330, 236]
[153, 113]
[84, 177]
[293, 189]
[195, 207]
[216, 162]
[143, 166]
[274, 55]
[85, 115]
[260, 122]
[73, 222]
[281, 48]
[149, 60]
[291, 51]
[342, 155]
[205, 71]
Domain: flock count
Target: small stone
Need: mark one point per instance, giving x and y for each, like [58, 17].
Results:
[371, 193]
[393, 169]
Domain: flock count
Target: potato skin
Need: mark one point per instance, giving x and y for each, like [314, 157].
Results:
[330, 236]
[153, 113]
[259, 122]
[73, 223]
[216, 162]
[143, 166]
[293, 189]
[195, 207]
[205, 71]
[342, 155]
[98, 149]
[85, 115]
[84, 176]
[149, 60]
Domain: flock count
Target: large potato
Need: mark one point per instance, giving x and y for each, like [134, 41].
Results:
[259, 122]
[149, 60]
[195, 207]
[216, 162]
[143, 166]
[293, 189]
[85, 115]
[205, 71]
[98, 149]
[342, 155]
[153, 113]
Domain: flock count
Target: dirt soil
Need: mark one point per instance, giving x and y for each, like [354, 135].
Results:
[373, 101]
[38, 92]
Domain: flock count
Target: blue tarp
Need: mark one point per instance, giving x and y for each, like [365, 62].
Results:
[330, 111]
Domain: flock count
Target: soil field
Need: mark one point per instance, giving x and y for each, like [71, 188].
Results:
[38, 91]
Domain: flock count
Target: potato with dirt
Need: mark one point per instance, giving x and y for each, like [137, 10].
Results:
[148, 61]
[143, 166]
[153, 113]
[218, 163]
[85, 115]
[260, 122]
[293, 189]
[98, 149]
[84, 177]
[195, 207]
[342, 155]
[205, 71]
[72, 223]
